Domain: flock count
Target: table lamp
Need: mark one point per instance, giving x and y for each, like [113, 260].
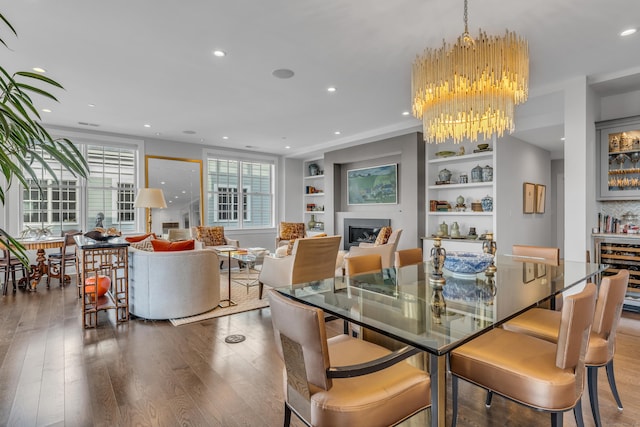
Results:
[149, 198]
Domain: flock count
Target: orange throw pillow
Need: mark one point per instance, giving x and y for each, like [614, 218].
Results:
[135, 239]
[167, 246]
[383, 236]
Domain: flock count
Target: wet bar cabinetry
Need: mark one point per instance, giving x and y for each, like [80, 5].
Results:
[619, 159]
[621, 251]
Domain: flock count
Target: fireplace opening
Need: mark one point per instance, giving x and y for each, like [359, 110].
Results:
[358, 230]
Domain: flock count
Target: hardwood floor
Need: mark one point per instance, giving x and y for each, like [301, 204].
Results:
[52, 372]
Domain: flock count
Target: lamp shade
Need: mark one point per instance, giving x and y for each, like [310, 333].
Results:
[150, 198]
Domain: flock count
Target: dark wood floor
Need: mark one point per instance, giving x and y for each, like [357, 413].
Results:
[151, 373]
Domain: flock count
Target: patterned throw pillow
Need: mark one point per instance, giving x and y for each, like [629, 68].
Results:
[144, 245]
[383, 236]
[211, 236]
[291, 230]
[160, 245]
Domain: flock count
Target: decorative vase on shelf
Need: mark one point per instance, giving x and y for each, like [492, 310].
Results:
[312, 222]
[444, 175]
[476, 174]
[313, 169]
[455, 229]
[487, 174]
[487, 203]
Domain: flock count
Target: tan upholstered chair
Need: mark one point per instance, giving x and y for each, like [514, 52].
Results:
[387, 251]
[409, 257]
[534, 372]
[289, 231]
[57, 262]
[363, 264]
[547, 255]
[212, 236]
[313, 258]
[544, 324]
[320, 385]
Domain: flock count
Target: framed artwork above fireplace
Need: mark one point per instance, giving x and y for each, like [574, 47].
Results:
[374, 185]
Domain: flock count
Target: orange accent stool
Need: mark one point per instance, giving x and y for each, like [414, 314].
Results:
[104, 283]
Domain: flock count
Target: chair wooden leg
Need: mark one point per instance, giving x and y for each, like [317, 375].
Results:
[6, 281]
[287, 415]
[592, 383]
[487, 402]
[612, 383]
[454, 398]
[260, 289]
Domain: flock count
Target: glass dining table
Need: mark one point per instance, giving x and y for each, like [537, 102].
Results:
[403, 304]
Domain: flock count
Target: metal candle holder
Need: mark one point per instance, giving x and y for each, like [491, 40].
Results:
[489, 246]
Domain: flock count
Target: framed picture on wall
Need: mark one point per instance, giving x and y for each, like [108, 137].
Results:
[375, 185]
[540, 195]
[529, 198]
[528, 272]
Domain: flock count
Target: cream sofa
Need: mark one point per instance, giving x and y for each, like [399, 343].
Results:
[167, 285]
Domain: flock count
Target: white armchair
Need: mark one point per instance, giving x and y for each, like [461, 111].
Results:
[312, 258]
[387, 251]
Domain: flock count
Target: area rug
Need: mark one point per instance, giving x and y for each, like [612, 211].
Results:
[246, 299]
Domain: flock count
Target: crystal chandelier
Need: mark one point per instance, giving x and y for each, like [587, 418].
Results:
[470, 88]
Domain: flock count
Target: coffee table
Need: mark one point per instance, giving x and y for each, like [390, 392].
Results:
[249, 261]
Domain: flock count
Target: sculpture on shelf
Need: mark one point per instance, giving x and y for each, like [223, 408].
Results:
[99, 219]
[489, 246]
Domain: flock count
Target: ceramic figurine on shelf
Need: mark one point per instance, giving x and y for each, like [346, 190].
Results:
[455, 229]
[487, 203]
[476, 174]
[461, 151]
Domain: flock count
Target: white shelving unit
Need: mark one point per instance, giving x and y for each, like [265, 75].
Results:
[313, 196]
[471, 191]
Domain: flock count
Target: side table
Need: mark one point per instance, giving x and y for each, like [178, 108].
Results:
[107, 258]
[221, 250]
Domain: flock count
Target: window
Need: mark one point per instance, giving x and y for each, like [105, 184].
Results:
[111, 187]
[104, 199]
[225, 178]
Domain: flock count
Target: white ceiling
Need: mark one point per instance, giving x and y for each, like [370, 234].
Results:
[150, 62]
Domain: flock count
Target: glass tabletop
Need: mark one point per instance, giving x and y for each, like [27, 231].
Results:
[402, 303]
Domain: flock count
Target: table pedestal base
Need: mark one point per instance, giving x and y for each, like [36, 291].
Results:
[230, 303]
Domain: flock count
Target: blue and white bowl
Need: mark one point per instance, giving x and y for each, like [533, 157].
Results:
[467, 263]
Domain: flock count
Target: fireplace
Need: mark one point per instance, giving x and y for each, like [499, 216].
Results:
[358, 230]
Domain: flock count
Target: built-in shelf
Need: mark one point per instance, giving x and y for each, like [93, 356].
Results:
[488, 184]
[314, 177]
[314, 195]
[314, 212]
[454, 213]
[464, 158]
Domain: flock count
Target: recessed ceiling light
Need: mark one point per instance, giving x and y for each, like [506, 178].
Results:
[219, 53]
[189, 132]
[405, 113]
[337, 132]
[175, 197]
[158, 133]
[628, 32]
[225, 137]
[201, 139]
[91, 105]
[46, 110]
[162, 182]
[184, 191]
[39, 70]
[283, 73]
[331, 89]
[147, 125]
[562, 139]
[170, 201]
[287, 147]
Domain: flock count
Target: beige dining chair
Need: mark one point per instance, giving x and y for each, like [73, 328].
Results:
[408, 257]
[544, 324]
[531, 371]
[336, 381]
[362, 264]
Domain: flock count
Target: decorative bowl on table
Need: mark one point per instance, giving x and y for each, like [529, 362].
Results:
[466, 264]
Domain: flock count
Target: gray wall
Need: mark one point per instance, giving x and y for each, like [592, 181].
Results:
[409, 214]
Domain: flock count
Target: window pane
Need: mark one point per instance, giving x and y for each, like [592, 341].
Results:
[225, 207]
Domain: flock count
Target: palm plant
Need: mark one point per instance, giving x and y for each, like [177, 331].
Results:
[23, 139]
